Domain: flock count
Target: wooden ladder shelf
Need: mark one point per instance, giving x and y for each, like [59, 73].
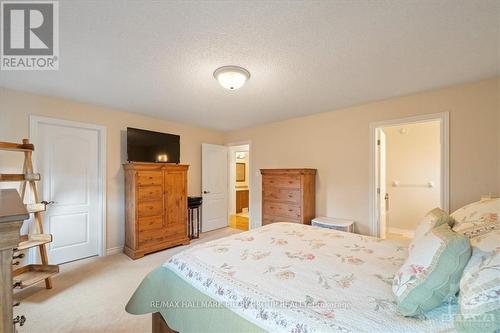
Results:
[28, 275]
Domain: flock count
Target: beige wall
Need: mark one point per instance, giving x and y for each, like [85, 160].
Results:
[498, 119]
[16, 107]
[337, 144]
[412, 157]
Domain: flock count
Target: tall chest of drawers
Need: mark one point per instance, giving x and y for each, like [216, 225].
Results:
[288, 195]
[155, 207]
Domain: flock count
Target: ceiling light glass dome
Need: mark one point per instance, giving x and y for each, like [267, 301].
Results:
[231, 77]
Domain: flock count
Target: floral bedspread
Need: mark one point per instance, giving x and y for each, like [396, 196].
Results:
[287, 277]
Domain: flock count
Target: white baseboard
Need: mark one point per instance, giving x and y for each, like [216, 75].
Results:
[402, 232]
[114, 250]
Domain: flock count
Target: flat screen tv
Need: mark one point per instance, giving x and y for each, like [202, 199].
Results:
[148, 146]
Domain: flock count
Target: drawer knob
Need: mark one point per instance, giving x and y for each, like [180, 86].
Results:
[19, 320]
[19, 256]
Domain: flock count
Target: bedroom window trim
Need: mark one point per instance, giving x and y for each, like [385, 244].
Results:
[444, 119]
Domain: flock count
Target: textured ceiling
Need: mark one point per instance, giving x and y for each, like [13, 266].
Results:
[157, 58]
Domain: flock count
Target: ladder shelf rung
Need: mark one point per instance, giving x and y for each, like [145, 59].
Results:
[16, 146]
[36, 207]
[30, 274]
[29, 241]
[19, 177]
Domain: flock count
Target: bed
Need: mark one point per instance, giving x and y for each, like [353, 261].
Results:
[283, 277]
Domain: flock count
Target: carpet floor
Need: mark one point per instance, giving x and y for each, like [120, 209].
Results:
[90, 295]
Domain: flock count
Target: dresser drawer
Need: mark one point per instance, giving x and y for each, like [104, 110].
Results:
[149, 223]
[150, 208]
[282, 209]
[148, 238]
[282, 194]
[148, 193]
[149, 178]
[268, 219]
[292, 181]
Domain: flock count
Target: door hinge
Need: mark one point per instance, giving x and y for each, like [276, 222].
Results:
[378, 142]
[378, 190]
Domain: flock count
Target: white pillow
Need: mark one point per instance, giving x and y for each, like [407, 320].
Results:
[477, 218]
[432, 219]
[480, 286]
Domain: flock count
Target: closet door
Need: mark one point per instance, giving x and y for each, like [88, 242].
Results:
[176, 202]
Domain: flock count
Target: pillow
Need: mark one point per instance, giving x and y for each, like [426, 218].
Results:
[432, 219]
[432, 271]
[477, 218]
[480, 286]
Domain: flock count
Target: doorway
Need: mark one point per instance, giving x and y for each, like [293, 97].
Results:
[226, 183]
[409, 173]
[239, 189]
[71, 157]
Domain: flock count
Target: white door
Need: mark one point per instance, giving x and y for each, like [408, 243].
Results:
[68, 159]
[382, 196]
[214, 159]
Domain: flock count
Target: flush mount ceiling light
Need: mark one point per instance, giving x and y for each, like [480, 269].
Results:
[231, 77]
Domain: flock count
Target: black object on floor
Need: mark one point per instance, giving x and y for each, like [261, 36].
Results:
[194, 227]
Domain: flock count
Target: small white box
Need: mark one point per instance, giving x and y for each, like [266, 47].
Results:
[333, 223]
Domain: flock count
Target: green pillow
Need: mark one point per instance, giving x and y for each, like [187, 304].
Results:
[432, 271]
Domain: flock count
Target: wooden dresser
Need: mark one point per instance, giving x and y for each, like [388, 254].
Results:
[155, 207]
[12, 214]
[288, 195]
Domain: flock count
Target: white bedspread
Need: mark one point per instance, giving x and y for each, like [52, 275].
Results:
[287, 277]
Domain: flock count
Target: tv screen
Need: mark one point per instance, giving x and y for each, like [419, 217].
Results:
[148, 146]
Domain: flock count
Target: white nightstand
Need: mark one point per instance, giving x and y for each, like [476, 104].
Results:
[333, 223]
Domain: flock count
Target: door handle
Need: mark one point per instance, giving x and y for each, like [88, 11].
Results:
[206, 192]
[47, 203]
[386, 198]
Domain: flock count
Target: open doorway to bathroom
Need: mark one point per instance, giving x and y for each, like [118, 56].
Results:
[410, 161]
[239, 186]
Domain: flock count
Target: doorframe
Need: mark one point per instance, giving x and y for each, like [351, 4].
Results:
[444, 119]
[35, 121]
[250, 178]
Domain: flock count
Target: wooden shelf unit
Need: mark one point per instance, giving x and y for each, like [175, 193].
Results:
[31, 274]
